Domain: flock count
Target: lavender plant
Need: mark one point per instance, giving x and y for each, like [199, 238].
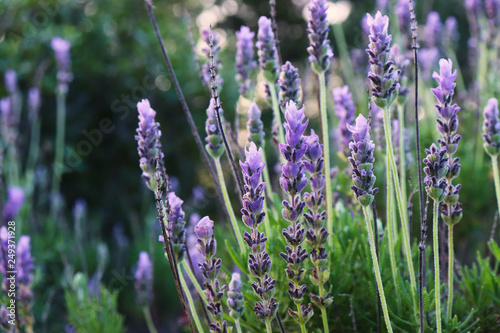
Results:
[235, 300]
[144, 287]
[345, 111]
[208, 37]
[491, 136]
[245, 63]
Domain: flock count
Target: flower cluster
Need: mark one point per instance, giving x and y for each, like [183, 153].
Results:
[317, 31]
[210, 268]
[268, 55]
[214, 142]
[253, 213]
[144, 280]
[433, 28]
[345, 110]
[436, 168]
[177, 225]
[209, 37]
[362, 162]
[148, 143]
[317, 234]
[289, 84]
[491, 128]
[382, 75]
[235, 300]
[15, 200]
[245, 63]
[293, 181]
[61, 49]
[255, 126]
[447, 124]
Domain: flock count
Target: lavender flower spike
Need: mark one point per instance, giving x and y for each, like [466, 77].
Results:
[436, 169]
[214, 146]
[345, 110]
[61, 49]
[206, 34]
[144, 280]
[210, 268]
[289, 83]
[235, 300]
[403, 12]
[25, 269]
[253, 213]
[255, 126]
[268, 55]
[433, 29]
[383, 75]
[148, 143]
[362, 162]
[176, 218]
[15, 200]
[245, 63]
[491, 128]
[317, 30]
[11, 81]
[293, 180]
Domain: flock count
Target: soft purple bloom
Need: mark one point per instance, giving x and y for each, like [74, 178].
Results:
[4, 251]
[255, 126]
[253, 201]
[198, 194]
[289, 84]
[320, 51]
[204, 229]
[268, 55]
[245, 63]
[34, 102]
[491, 128]
[400, 63]
[79, 209]
[5, 317]
[428, 59]
[362, 161]
[436, 169]
[177, 225]
[210, 37]
[382, 5]
[15, 200]
[450, 35]
[404, 18]
[491, 8]
[144, 280]
[235, 300]
[11, 81]
[24, 262]
[473, 7]
[345, 110]
[382, 75]
[61, 49]
[433, 28]
[148, 143]
[214, 142]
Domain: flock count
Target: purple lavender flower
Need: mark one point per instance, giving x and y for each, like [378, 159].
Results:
[5, 317]
[404, 18]
[401, 63]
[345, 110]
[362, 162]
[210, 268]
[259, 262]
[15, 200]
[293, 180]
[148, 143]
[245, 63]
[255, 126]
[406, 144]
[383, 76]
[289, 83]
[177, 225]
[317, 30]
[491, 128]
[4, 251]
[144, 280]
[34, 103]
[428, 59]
[61, 49]
[450, 35]
[491, 8]
[473, 7]
[24, 263]
[208, 36]
[433, 28]
[268, 55]
[214, 142]
[11, 81]
[436, 169]
[235, 300]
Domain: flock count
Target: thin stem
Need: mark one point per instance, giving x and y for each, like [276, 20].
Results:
[194, 281]
[227, 201]
[450, 272]
[402, 208]
[402, 155]
[238, 326]
[277, 114]
[59, 149]
[190, 301]
[301, 320]
[376, 268]
[437, 279]
[34, 145]
[326, 155]
[270, 194]
[268, 327]
[149, 319]
[322, 294]
[390, 230]
[496, 178]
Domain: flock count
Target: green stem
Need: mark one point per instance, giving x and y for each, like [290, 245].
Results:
[270, 194]
[376, 268]
[450, 272]
[194, 281]
[437, 283]
[326, 154]
[232, 217]
[496, 178]
[402, 155]
[277, 113]
[268, 327]
[190, 301]
[322, 294]
[59, 146]
[301, 320]
[149, 319]
[238, 326]
[390, 231]
[402, 208]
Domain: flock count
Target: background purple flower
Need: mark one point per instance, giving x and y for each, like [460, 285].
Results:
[433, 29]
[317, 31]
[208, 36]
[15, 200]
[144, 280]
[268, 55]
[245, 63]
[491, 128]
[345, 110]
[289, 84]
